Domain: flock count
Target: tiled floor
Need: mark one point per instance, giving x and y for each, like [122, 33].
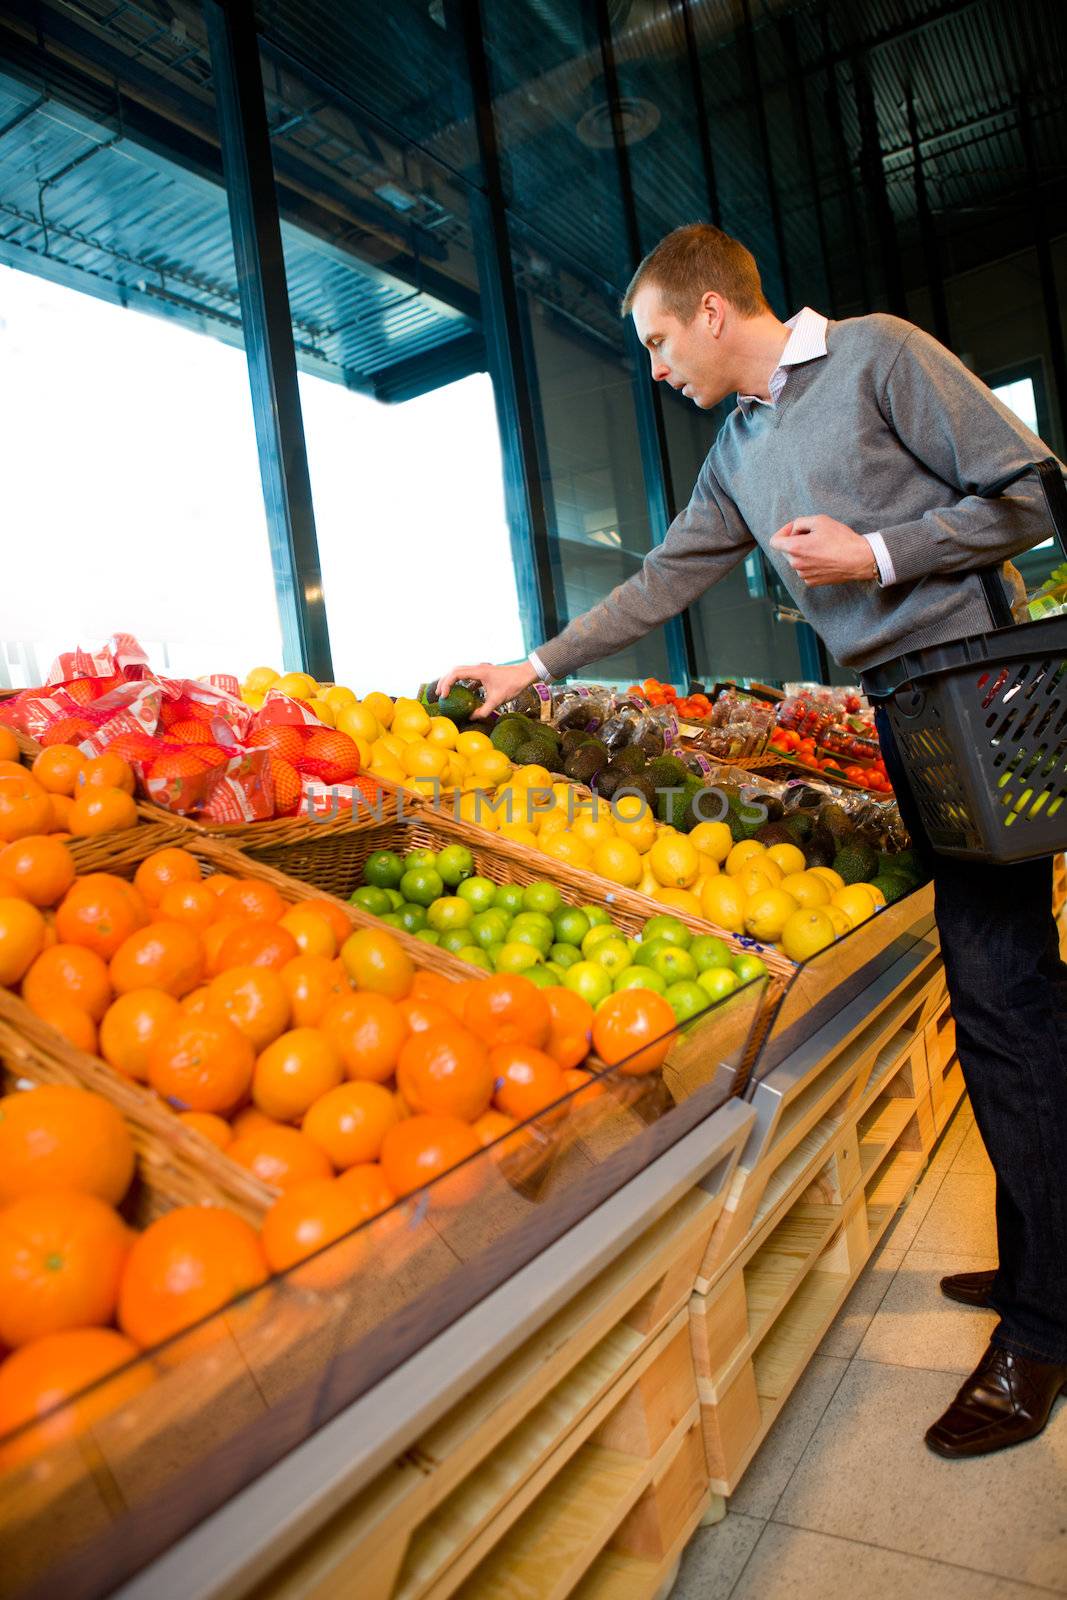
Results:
[844, 1496]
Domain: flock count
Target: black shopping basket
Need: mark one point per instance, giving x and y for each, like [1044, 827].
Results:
[981, 723]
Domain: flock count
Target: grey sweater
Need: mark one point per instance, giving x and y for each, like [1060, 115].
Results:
[888, 432]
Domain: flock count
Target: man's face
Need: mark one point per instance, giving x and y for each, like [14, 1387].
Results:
[687, 355]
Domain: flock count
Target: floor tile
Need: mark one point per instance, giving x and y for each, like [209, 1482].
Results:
[845, 1334]
[971, 1156]
[760, 1489]
[960, 1220]
[714, 1558]
[916, 1326]
[795, 1564]
[868, 1475]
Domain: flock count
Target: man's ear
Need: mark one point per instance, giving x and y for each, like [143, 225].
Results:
[713, 311]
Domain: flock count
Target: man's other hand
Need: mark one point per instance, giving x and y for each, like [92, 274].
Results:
[500, 683]
[823, 551]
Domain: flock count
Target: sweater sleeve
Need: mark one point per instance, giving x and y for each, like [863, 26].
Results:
[702, 544]
[951, 422]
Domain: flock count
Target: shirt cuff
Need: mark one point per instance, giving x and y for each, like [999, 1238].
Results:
[543, 674]
[884, 560]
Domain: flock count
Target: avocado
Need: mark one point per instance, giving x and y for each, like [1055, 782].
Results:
[617, 732]
[509, 734]
[800, 824]
[610, 779]
[631, 758]
[834, 819]
[578, 715]
[816, 854]
[892, 886]
[527, 704]
[584, 765]
[676, 806]
[652, 742]
[667, 772]
[774, 833]
[535, 751]
[857, 863]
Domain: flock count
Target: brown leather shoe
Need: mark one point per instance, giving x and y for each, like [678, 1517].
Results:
[1006, 1399]
[969, 1288]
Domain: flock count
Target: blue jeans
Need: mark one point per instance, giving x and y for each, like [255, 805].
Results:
[1008, 989]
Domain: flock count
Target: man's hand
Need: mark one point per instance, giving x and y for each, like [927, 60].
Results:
[823, 551]
[500, 683]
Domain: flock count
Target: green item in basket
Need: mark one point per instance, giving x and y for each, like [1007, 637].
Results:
[686, 998]
[640, 978]
[486, 928]
[564, 955]
[571, 925]
[450, 912]
[543, 897]
[508, 897]
[476, 957]
[455, 940]
[667, 927]
[384, 869]
[372, 900]
[455, 864]
[421, 885]
[392, 920]
[596, 915]
[417, 859]
[395, 898]
[428, 936]
[517, 957]
[412, 917]
[478, 892]
[707, 952]
[542, 977]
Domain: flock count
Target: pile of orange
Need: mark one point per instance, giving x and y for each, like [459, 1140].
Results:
[65, 792]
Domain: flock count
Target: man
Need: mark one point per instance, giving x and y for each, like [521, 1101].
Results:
[855, 459]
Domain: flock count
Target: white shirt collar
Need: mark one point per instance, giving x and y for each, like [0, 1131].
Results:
[806, 342]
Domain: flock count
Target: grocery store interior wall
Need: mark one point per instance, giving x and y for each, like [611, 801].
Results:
[460, 188]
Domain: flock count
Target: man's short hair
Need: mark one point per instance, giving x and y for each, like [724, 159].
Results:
[692, 260]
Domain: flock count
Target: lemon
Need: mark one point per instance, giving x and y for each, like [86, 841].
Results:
[442, 730]
[359, 722]
[323, 710]
[565, 847]
[709, 867]
[879, 897]
[594, 830]
[856, 901]
[517, 832]
[723, 903]
[389, 769]
[635, 823]
[424, 760]
[617, 860]
[807, 889]
[678, 900]
[260, 679]
[380, 706]
[807, 932]
[337, 697]
[533, 777]
[253, 698]
[473, 743]
[393, 747]
[713, 839]
[788, 857]
[413, 722]
[841, 923]
[365, 755]
[832, 879]
[674, 861]
[649, 882]
[430, 787]
[555, 822]
[473, 808]
[301, 685]
[492, 766]
[758, 876]
[767, 912]
[742, 854]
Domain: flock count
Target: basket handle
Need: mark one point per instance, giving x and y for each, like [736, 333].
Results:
[1051, 480]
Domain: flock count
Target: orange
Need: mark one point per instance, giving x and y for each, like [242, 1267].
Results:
[294, 1071]
[249, 1118]
[312, 984]
[306, 1220]
[367, 1031]
[281, 1157]
[39, 1382]
[334, 913]
[57, 768]
[132, 1024]
[432, 986]
[446, 1071]
[25, 807]
[419, 1015]
[256, 943]
[185, 1265]
[582, 1086]
[493, 1125]
[195, 1003]
[248, 897]
[22, 938]
[213, 1127]
[61, 1260]
[256, 1001]
[76, 1026]
[525, 1080]
[215, 937]
[100, 912]
[366, 1184]
[419, 1149]
[376, 961]
[41, 869]
[97, 810]
[107, 771]
[218, 881]
[62, 812]
[313, 934]
[61, 1137]
[191, 903]
[633, 1029]
[349, 1123]
[507, 1009]
[165, 955]
[163, 868]
[67, 972]
[571, 1027]
[201, 1064]
[9, 745]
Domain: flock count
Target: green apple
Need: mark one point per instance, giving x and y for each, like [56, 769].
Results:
[707, 951]
[478, 892]
[589, 980]
[667, 927]
[718, 982]
[640, 978]
[374, 901]
[570, 925]
[612, 955]
[748, 968]
[449, 912]
[596, 914]
[675, 965]
[455, 863]
[541, 896]
[507, 897]
[514, 957]
[686, 998]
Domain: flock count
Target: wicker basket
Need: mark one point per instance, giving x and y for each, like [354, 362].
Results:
[301, 847]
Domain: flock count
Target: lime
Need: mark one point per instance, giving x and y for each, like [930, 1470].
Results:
[455, 863]
[428, 936]
[392, 919]
[488, 927]
[674, 964]
[493, 950]
[667, 927]
[534, 919]
[589, 980]
[542, 977]
[419, 858]
[612, 955]
[541, 896]
[564, 955]
[412, 916]
[748, 967]
[648, 949]
[571, 925]
[640, 978]
[449, 912]
[454, 940]
[515, 957]
[537, 938]
[602, 930]
[556, 971]
[372, 900]
[596, 915]
[475, 957]
[478, 892]
[395, 898]
[707, 951]
[686, 998]
[384, 869]
[718, 982]
[421, 886]
[508, 897]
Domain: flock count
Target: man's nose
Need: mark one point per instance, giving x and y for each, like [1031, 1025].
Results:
[660, 370]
